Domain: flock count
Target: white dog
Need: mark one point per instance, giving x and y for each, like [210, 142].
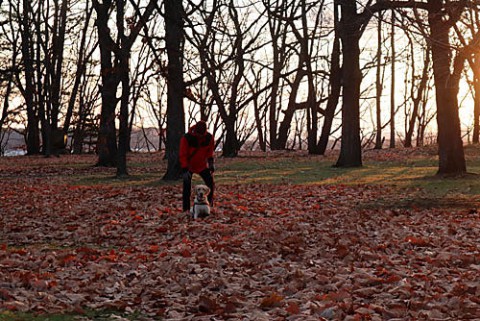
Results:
[201, 207]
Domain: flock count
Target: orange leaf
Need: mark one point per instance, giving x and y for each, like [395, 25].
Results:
[392, 279]
[163, 254]
[273, 300]
[67, 259]
[292, 308]
[185, 253]
[19, 251]
[416, 241]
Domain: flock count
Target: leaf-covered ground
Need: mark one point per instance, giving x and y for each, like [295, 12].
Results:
[73, 239]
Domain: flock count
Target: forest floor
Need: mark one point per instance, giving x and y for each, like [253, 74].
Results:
[291, 238]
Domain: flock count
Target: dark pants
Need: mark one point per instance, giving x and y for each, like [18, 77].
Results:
[187, 187]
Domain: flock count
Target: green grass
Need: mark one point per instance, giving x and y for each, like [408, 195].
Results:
[416, 171]
[111, 180]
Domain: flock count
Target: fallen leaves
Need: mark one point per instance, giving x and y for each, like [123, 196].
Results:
[417, 241]
[268, 252]
[272, 301]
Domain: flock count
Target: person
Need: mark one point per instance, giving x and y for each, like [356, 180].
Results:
[196, 157]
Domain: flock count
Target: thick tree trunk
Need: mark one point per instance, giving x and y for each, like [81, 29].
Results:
[350, 151]
[107, 136]
[231, 144]
[58, 44]
[122, 58]
[450, 145]
[176, 86]
[112, 75]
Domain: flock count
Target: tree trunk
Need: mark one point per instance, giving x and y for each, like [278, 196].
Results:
[378, 85]
[231, 144]
[176, 87]
[43, 82]
[335, 89]
[122, 58]
[107, 136]
[392, 86]
[278, 35]
[80, 71]
[58, 44]
[33, 137]
[450, 145]
[476, 106]
[259, 117]
[312, 106]
[350, 151]
[417, 100]
[284, 129]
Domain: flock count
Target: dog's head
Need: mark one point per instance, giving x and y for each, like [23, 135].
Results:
[202, 191]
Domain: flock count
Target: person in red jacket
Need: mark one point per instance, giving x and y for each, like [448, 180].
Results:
[196, 157]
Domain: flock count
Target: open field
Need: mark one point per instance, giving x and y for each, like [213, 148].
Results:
[291, 238]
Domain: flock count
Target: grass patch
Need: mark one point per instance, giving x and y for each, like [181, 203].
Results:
[112, 180]
[405, 169]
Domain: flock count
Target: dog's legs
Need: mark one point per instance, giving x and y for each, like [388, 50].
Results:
[193, 212]
[210, 182]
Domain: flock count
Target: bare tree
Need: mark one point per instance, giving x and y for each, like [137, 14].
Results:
[225, 43]
[350, 26]
[259, 108]
[379, 85]
[417, 95]
[25, 14]
[441, 18]
[9, 67]
[280, 52]
[84, 55]
[293, 36]
[468, 35]
[335, 86]
[115, 70]
[174, 34]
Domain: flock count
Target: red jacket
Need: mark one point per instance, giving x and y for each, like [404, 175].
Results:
[195, 150]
